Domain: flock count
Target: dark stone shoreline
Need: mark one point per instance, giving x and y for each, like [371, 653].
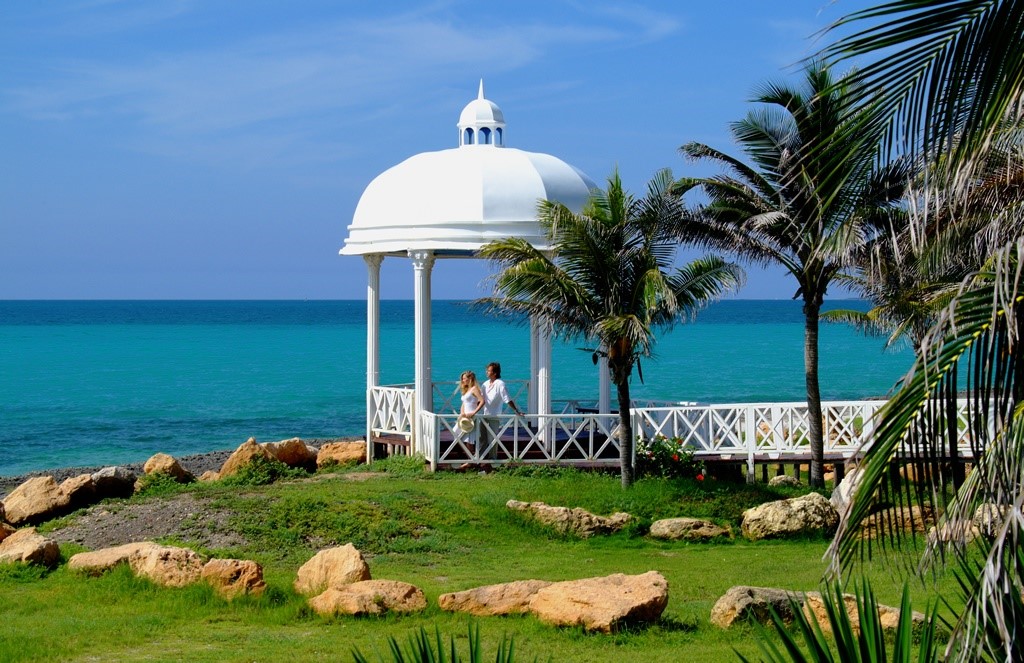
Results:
[194, 463]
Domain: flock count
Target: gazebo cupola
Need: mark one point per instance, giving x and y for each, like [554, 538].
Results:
[482, 122]
[448, 204]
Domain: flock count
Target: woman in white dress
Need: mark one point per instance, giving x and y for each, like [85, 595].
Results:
[472, 398]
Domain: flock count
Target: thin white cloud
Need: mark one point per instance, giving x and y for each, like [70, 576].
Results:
[195, 97]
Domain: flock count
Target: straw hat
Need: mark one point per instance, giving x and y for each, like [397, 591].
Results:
[466, 424]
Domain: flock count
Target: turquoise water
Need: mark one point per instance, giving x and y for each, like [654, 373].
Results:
[91, 383]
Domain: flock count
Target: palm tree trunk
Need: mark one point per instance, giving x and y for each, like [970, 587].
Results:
[620, 376]
[814, 421]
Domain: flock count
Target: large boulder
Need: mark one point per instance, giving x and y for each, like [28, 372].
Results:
[332, 567]
[571, 521]
[889, 617]
[167, 565]
[687, 529]
[97, 562]
[234, 577]
[246, 453]
[6, 530]
[36, 500]
[114, 482]
[162, 463]
[742, 603]
[909, 519]
[784, 480]
[293, 453]
[509, 598]
[602, 604]
[369, 597]
[81, 490]
[28, 547]
[799, 515]
[341, 453]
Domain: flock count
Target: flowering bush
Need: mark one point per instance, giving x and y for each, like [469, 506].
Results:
[668, 457]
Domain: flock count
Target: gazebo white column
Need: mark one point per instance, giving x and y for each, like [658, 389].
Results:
[373, 262]
[422, 264]
[543, 377]
[531, 405]
[604, 385]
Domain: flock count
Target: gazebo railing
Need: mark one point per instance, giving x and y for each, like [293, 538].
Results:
[588, 439]
[391, 411]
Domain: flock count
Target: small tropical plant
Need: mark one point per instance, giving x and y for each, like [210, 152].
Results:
[422, 648]
[866, 643]
[668, 457]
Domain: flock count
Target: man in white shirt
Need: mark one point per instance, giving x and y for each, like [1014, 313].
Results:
[495, 397]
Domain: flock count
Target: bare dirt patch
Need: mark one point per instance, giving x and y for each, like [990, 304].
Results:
[184, 517]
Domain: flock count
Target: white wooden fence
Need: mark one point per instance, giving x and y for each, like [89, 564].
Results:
[743, 432]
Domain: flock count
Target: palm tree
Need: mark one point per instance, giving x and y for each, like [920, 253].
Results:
[951, 74]
[608, 277]
[811, 198]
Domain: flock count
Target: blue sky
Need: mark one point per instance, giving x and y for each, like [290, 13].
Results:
[215, 149]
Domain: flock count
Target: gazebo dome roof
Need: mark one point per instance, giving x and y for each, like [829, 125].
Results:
[455, 201]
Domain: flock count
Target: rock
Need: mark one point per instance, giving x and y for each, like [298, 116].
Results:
[162, 463]
[114, 482]
[909, 519]
[243, 455]
[234, 577]
[742, 603]
[988, 518]
[687, 529]
[6, 530]
[36, 500]
[602, 604]
[341, 453]
[889, 617]
[293, 453]
[167, 565]
[332, 567]
[963, 531]
[28, 547]
[369, 597]
[784, 480]
[3, 514]
[842, 493]
[809, 513]
[510, 598]
[97, 562]
[572, 521]
[81, 490]
[209, 475]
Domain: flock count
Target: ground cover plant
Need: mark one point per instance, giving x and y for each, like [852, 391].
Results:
[443, 533]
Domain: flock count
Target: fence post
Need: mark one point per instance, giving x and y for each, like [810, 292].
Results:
[751, 438]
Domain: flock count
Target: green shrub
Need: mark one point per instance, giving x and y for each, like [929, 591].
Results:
[402, 466]
[668, 457]
[158, 484]
[261, 471]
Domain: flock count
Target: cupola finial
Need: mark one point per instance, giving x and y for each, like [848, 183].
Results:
[481, 94]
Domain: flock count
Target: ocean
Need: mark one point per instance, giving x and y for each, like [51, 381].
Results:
[86, 383]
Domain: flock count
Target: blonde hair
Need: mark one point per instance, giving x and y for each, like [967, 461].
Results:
[472, 381]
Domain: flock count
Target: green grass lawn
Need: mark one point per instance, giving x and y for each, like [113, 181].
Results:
[442, 533]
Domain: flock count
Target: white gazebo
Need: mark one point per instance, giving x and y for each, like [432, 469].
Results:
[448, 204]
